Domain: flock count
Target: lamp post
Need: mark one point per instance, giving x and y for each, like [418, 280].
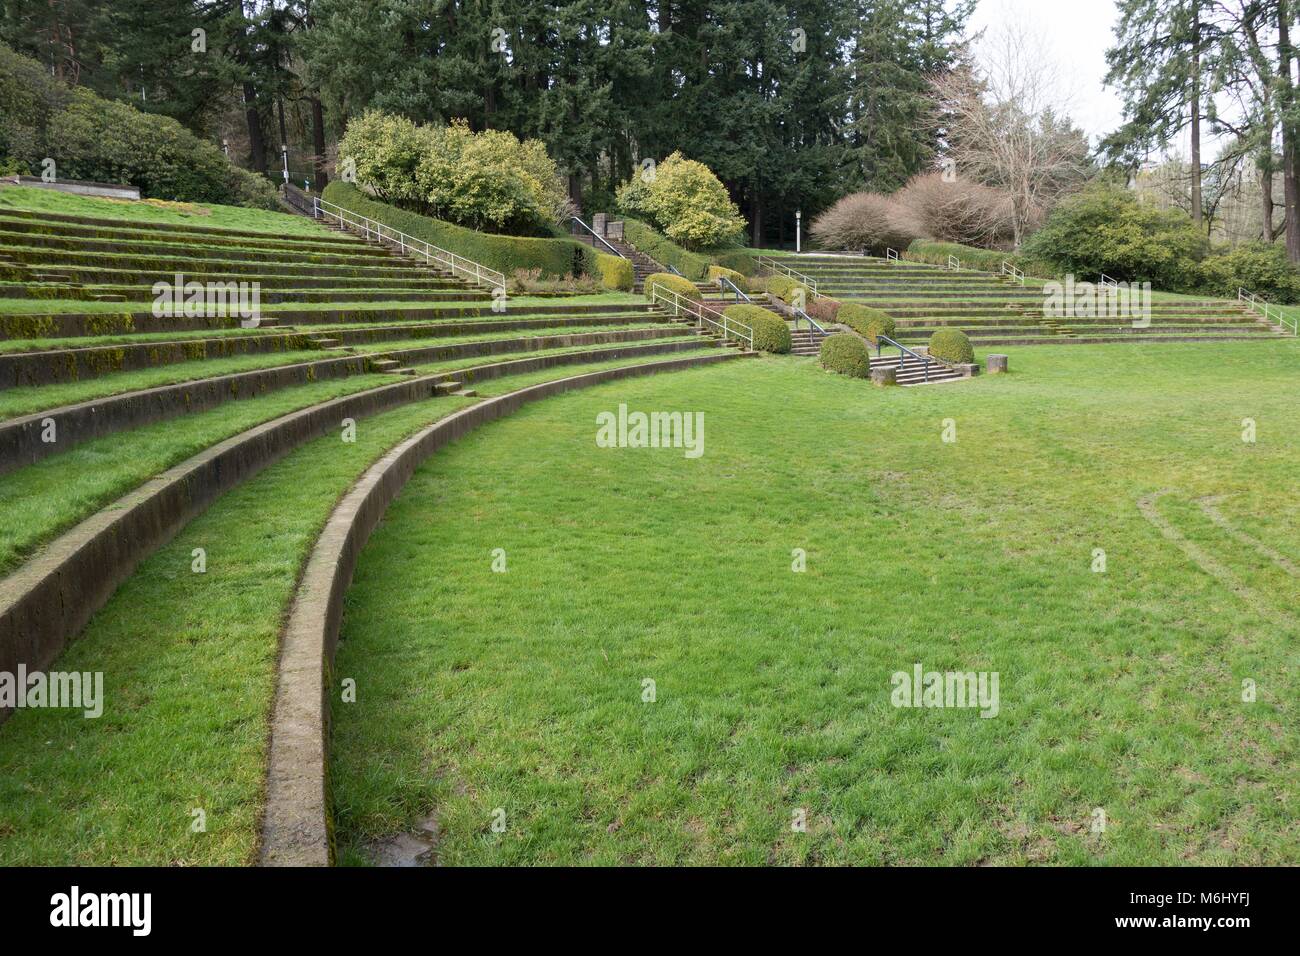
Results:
[798, 230]
[284, 152]
[225, 147]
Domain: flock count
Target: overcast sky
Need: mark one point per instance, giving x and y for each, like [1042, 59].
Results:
[1076, 35]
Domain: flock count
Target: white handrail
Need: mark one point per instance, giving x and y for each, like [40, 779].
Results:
[1267, 308]
[891, 255]
[1009, 269]
[1107, 280]
[456, 264]
[727, 325]
[807, 281]
[954, 264]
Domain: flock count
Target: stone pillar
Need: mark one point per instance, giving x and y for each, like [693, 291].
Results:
[996, 364]
[883, 375]
[598, 222]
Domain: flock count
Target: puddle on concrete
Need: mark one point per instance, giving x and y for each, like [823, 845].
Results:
[408, 849]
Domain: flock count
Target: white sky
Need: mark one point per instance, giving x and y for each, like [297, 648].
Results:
[1075, 35]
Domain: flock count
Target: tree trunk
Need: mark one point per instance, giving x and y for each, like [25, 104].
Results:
[1266, 195]
[756, 213]
[1290, 172]
[1196, 119]
[256, 144]
[321, 175]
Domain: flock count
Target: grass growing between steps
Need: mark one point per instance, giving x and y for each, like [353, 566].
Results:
[28, 399]
[188, 663]
[1119, 690]
[138, 338]
[132, 214]
[513, 303]
[43, 499]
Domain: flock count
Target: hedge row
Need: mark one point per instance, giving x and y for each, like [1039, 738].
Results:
[615, 272]
[771, 334]
[664, 251]
[985, 260]
[554, 257]
[866, 321]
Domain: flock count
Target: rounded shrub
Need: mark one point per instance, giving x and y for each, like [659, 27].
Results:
[682, 286]
[771, 334]
[952, 345]
[615, 272]
[846, 354]
[867, 321]
[787, 290]
[722, 272]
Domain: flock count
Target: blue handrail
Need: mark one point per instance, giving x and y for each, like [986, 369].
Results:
[675, 271]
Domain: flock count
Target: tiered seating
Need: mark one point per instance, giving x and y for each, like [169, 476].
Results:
[995, 310]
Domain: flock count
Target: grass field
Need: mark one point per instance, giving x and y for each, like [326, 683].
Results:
[199, 215]
[189, 672]
[1121, 691]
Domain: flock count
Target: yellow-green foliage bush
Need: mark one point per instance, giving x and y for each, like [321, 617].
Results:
[615, 272]
[683, 287]
[716, 272]
[771, 334]
[685, 201]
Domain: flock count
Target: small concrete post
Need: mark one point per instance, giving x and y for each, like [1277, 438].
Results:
[599, 221]
[884, 375]
[996, 364]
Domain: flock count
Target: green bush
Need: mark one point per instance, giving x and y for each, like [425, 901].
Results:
[1258, 267]
[685, 201]
[985, 260]
[846, 354]
[771, 334]
[683, 287]
[664, 251]
[486, 180]
[952, 345]
[787, 290]
[1107, 229]
[867, 321]
[102, 140]
[741, 260]
[716, 272]
[615, 272]
[553, 257]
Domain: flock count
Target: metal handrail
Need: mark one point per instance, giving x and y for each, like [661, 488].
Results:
[724, 284]
[923, 359]
[458, 265]
[595, 234]
[1267, 308]
[813, 324]
[954, 264]
[1107, 280]
[807, 281]
[675, 271]
[728, 326]
[891, 255]
[1009, 269]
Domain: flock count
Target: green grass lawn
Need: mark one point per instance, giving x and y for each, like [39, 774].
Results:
[189, 673]
[134, 213]
[1119, 691]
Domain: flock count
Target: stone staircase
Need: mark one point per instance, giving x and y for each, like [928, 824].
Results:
[994, 310]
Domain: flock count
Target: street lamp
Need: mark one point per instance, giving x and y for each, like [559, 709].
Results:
[284, 152]
[798, 230]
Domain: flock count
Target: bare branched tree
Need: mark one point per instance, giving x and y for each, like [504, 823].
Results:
[1005, 126]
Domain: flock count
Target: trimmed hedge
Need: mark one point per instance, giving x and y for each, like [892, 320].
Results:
[716, 272]
[985, 260]
[683, 287]
[554, 257]
[952, 345]
[845, 354]
[867, 321]
[738, 260]
[787, 290]
[771, 334]
[615, 272]
[663, 250]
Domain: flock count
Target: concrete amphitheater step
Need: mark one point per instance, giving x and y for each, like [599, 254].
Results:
[47, 601]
